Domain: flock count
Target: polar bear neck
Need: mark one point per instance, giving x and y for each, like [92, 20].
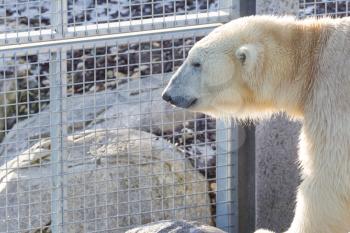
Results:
[326, 129]
[298, 51]
[314, 85]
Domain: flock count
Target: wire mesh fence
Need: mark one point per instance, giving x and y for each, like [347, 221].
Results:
[35, 20]
[87, 144]
[321, 8]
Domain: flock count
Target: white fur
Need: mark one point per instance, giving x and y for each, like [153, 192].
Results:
[303, 68]
[263, 231]
[250, 53]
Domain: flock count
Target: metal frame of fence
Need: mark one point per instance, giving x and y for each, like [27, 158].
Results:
[61, 36]
[59, 27]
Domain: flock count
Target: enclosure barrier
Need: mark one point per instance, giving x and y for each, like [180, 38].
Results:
[87, 144]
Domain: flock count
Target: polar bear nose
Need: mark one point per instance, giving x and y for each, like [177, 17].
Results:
[179, 101]
[166, 97]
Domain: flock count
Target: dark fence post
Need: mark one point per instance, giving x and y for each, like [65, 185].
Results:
[246, 179]
[246, 158]
[247, 7]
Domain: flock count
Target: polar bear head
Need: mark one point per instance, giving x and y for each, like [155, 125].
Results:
[239, 69]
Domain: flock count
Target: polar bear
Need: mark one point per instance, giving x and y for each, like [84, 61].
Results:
[258, 65]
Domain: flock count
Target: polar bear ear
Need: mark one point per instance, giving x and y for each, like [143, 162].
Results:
[247, 55]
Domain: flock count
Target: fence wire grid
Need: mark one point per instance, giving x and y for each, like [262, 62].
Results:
[37, 20]
[91, 144]
[86, 143]
[321, 8]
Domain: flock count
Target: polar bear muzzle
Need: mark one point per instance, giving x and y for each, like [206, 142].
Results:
[183, 89]
[179, 101]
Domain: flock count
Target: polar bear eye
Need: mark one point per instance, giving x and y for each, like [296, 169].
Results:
[196, 64]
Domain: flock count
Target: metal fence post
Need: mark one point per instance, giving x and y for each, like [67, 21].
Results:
[246, 179]
[226, 176]
[231, 7]
[247, 7]
[236, 168]
[56, 144]
[227, 212]
[58, 132]
[235, 206]
[59, 17]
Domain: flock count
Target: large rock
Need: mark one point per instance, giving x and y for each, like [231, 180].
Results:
[112, 180]
[175, 227]
[136, 104]
[140, 106]
[7, 100]
[18, 91]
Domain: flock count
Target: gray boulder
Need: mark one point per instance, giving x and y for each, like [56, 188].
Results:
[113, 180]
[7, 100]
[135, 105]
[140, 106]
[175, 227]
